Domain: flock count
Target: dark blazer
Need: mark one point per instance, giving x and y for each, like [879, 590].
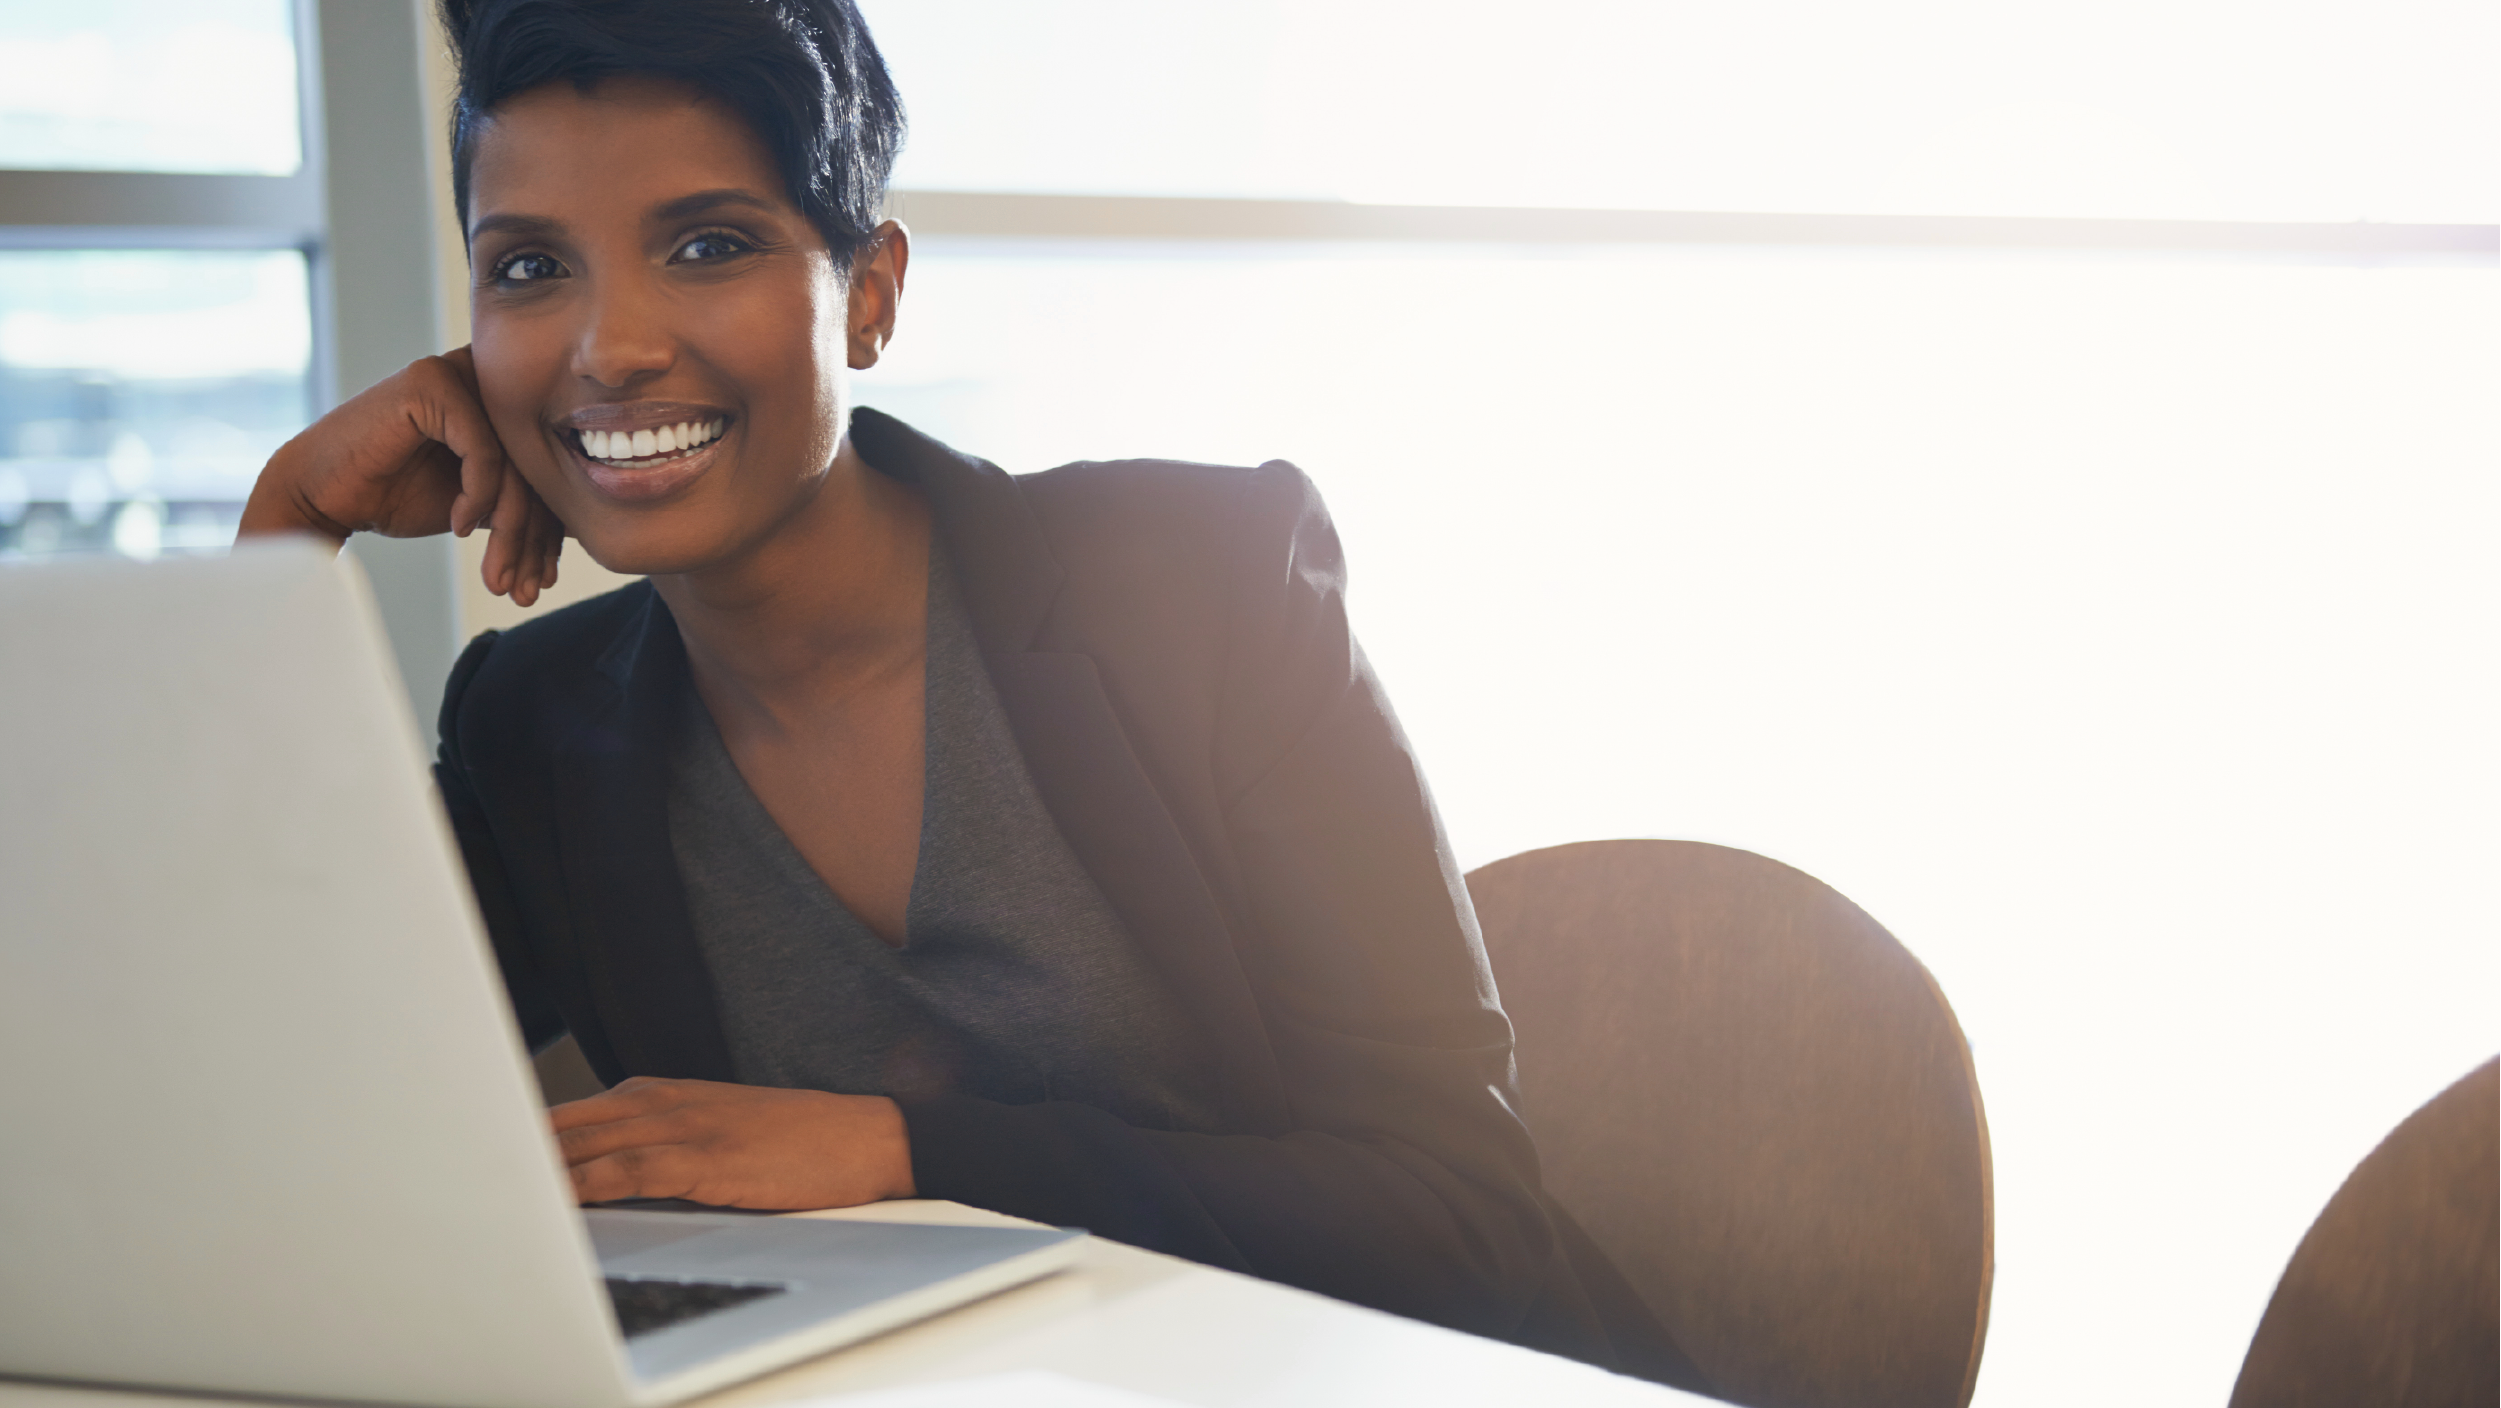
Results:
[1170, 644]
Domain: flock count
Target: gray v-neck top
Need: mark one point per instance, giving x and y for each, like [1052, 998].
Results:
[1016, 981]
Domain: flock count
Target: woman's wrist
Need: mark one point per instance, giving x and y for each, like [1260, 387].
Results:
[893, 1145]
[278, 504]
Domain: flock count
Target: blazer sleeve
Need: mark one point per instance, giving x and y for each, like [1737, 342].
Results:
[533, 1004]
[1406, 1181]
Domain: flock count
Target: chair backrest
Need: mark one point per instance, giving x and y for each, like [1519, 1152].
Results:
[1758, 1102]
[2391, 1298]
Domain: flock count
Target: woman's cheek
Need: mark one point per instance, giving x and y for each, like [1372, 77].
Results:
[526, 449]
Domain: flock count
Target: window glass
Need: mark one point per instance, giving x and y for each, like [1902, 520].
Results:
[150, 85]
[140, 392]
[2204, 109]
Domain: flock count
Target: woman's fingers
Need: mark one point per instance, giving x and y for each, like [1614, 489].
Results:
[645, 1171]
[635, 1095]
[524, 538]
[411, 455]
[630, 1142]
[596, 1141]
[546, 544]
[457, 417]
[483, 470]
[508, 524]
[735, 1145]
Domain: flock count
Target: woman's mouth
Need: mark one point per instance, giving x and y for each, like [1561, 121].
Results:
[648, 463]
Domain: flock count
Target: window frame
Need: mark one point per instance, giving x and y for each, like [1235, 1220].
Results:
[1182, 218]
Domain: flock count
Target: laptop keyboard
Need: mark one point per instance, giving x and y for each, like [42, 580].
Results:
[644, 1306]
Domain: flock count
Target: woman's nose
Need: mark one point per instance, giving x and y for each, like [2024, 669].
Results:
[624, 339]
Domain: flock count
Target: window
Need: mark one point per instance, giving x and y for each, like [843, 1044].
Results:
[141, 391]
[158, 239]
[152, 85]
[2211, 109]
[213, 215]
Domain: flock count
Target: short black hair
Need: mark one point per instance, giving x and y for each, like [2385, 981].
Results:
[804, 74]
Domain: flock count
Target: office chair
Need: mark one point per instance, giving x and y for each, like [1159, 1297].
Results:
[1759, 1103]
[2390, 1299]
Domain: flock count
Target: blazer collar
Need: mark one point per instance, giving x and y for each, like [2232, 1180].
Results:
[1003, 564]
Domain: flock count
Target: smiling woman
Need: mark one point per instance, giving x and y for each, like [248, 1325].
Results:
[1042, 843]
[642, 264]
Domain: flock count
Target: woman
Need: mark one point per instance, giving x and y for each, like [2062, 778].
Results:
[1040, 843]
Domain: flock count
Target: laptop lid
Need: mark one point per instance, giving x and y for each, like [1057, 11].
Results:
[268, 1127]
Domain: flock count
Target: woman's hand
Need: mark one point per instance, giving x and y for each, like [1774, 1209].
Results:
[734, 1146]
[409, 456]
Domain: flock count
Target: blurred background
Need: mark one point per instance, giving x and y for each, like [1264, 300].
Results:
[2032, 467]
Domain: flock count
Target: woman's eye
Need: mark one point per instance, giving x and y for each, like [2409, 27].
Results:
[713, 245]
[528, 268]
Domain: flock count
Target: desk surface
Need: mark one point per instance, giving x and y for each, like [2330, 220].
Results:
[1150, 1324]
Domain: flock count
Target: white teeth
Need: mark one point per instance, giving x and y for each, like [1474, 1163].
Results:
[643, 444]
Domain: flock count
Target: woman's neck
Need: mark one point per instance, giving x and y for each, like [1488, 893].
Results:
[834, 599]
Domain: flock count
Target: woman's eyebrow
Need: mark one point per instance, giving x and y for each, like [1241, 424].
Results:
[525, 225]
[702, 201]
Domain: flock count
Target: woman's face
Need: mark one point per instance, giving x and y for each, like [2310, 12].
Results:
[660, 335]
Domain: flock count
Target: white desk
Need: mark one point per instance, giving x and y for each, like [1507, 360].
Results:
[1154, 1325]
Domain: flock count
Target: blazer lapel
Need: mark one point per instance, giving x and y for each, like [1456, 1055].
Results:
[1113, 818]
[647, 977]
[1004, 568]
[1079, 755]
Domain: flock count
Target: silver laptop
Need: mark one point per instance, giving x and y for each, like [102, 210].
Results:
[267, 1127]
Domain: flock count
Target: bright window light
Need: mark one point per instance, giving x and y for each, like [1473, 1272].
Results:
[2200, 109]
[150, 85]
[2120, 631]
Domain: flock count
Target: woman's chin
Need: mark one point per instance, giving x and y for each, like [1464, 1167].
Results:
[644, 519]
[647, 544]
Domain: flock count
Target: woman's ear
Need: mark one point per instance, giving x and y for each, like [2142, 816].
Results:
[876, 291]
